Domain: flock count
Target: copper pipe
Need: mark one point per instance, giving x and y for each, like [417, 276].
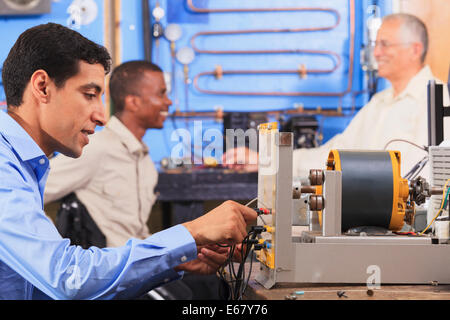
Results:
[213, 33]
[324, 112]
[232, 32]
[193, 114]
[275, 51]
[219, 113]
[207, 10]
[322, 94]
[337, 62]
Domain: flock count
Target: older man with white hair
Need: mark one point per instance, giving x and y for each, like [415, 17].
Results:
[395, 115]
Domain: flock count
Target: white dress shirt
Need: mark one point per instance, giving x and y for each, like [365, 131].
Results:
[383, 119]
[114, 178]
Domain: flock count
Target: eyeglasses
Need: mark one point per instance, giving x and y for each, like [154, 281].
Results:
[383, 44]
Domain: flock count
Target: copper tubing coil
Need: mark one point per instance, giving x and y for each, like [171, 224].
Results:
[285, 30]
[233, 32]
[322, 94]
[302, 71]
[193, 8]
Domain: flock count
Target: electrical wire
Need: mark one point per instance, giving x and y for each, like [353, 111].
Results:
[416, 169]
[238, 278]
[445, 193]
[403, 140]
[251, 201]
[422, 165]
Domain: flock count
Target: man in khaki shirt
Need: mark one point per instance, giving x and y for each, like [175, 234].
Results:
[115, 177]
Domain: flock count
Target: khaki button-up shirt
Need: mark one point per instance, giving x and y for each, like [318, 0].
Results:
[114, 178]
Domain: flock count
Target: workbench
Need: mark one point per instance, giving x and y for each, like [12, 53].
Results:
[310, 291]
[183, 192]
[346, 292]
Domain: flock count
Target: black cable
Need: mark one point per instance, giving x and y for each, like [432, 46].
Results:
[420, 169]
[240, 279]
[415, 170]
[249, 273]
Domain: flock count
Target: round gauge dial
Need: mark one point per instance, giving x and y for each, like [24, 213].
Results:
[158, 13]
[185, 55]
[173, 32]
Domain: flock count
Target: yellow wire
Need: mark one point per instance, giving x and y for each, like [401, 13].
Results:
[440, 209]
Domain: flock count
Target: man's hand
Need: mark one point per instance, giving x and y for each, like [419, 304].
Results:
[209, 259]
[238, 253]
[241, 158]
[225, 224]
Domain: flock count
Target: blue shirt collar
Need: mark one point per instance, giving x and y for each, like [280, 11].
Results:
[25, 147]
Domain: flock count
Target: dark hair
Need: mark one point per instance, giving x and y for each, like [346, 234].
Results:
[50, 47]
[125, 79]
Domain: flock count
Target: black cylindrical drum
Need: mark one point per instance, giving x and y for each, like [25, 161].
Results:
[367, 188]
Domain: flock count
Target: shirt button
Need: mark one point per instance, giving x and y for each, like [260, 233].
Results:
[41, 161]
[183, 259]
[166, 280]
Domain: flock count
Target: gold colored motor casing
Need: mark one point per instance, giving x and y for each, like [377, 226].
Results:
[401, 193]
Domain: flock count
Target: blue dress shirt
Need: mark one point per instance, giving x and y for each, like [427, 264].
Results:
[37, 263]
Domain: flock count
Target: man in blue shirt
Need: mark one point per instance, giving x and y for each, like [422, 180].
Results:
[54, 79]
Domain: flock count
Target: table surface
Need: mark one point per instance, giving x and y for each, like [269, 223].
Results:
[311, 291]
[207, 184]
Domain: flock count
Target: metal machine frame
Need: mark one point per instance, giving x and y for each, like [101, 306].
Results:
[328, 256]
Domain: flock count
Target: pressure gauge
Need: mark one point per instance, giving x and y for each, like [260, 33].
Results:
[173, 32]
[158, 13]
[157, 30]
[185, 55]
[82, 12]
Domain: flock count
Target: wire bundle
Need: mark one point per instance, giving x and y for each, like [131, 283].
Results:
[418, 166]
[445, 193]
[412, 174]
[238, 276]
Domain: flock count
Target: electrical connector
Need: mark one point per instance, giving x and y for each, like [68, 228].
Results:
[262, 245]
[251, 241]
[264, 211]
[258, 229]
[258, 246]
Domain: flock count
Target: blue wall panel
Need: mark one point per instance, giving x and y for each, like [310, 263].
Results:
[12, 26]
[336, 40]
[177, 11]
